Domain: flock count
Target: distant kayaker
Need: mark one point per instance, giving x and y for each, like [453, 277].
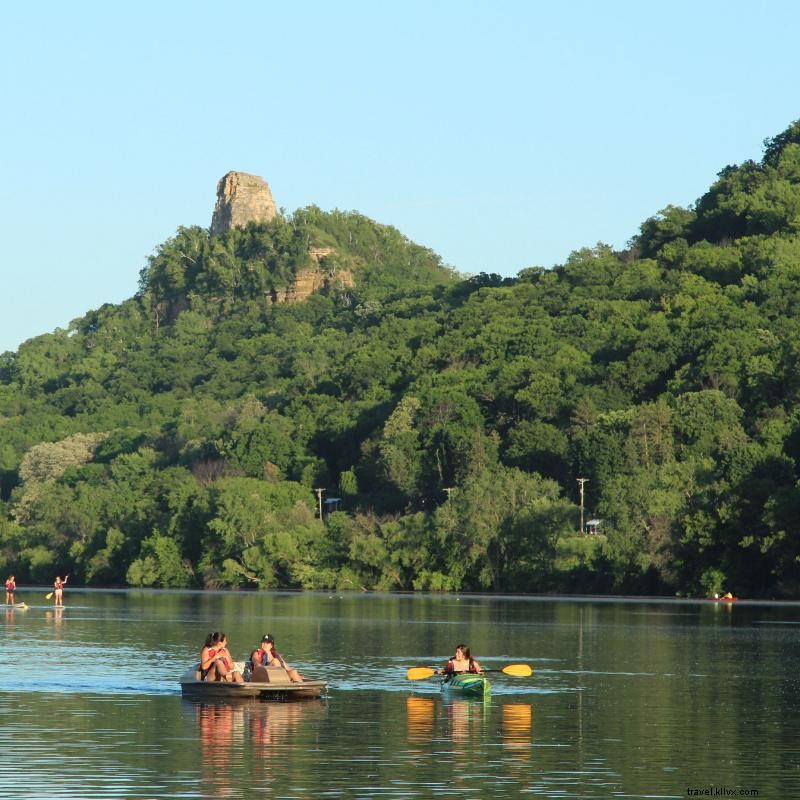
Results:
[11, 585]
[268, 656]
[462, 661]
[216, 661]
[58, 589]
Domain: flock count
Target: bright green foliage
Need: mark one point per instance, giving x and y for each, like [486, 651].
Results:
[159, 564]
[48, 461]
[262, 534]
[177, 439]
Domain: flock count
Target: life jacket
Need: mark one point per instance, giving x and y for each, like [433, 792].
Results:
[261, 654]
[212, 652]
[450, 668]
[58, 584]
[10, 585]
[228, 665]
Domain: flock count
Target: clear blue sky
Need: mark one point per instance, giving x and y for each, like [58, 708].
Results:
[502, 135]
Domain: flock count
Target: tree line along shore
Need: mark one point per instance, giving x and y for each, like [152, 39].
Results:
[191, 435]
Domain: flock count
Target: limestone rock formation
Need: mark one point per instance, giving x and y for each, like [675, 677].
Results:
[241, 198]
[317, 277]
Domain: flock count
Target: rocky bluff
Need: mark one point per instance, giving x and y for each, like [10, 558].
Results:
[243, 198]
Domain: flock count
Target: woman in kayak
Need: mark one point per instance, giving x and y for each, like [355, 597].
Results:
[216, 662]
[268, 656]
[462, 661]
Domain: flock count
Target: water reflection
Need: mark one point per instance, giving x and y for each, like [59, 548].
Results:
[419, 717]
[466, 717]
[517, 729]
[55, 617]
[630, 699]
[219, 727]
[247, 732]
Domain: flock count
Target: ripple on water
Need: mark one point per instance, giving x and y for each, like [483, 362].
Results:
[89, 703]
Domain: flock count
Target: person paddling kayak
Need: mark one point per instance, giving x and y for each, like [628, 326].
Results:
[462, 661]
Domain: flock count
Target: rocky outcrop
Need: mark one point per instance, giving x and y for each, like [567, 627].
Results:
[241, 198]
[317, 277]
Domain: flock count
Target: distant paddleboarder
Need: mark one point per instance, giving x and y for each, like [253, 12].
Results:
[58, 589]
[11, 585]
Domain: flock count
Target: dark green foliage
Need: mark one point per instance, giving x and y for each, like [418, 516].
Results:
[178, 439]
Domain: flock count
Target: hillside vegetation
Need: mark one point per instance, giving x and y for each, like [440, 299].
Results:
[177, 439]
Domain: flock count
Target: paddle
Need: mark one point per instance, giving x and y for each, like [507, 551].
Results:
[517, 670]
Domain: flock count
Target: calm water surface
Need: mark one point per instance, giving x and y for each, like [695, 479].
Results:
[632, 699]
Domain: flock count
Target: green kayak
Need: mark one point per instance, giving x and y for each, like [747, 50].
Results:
[466, 684]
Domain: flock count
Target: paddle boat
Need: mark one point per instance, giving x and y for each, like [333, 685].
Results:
[264, 683]
[466, 684]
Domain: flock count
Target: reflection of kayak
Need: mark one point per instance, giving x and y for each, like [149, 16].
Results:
[466, 684]
[277, 689]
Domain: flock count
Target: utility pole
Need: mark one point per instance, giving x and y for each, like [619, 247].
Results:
[319, 501]
[581, 482]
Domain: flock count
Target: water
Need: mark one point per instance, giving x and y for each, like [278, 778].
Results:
[628, 699]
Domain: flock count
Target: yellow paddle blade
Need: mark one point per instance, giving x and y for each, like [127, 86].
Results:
[518, 670]
[48, 595]
[418, 673]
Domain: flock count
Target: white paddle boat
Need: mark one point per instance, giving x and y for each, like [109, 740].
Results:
[262, 683]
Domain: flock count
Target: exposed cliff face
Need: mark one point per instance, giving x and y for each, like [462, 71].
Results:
[241, 198]
[315, 278]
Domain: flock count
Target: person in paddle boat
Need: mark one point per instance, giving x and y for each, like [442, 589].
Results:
[462, 661]
[268, 656]
[216, 661]
[11, 585]
[58, 588]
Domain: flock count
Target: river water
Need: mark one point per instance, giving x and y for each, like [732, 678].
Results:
[629, 698]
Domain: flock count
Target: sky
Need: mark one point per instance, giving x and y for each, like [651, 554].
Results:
[502, 135]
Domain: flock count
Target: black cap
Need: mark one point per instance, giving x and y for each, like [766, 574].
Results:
[268, 637]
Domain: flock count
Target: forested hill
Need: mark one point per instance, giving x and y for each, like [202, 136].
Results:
[177, 439]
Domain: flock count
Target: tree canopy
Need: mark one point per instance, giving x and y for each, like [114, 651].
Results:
[179, 438]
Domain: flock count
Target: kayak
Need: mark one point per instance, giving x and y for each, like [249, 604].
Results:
[724, 599]
[466, 684]
[278, 688]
